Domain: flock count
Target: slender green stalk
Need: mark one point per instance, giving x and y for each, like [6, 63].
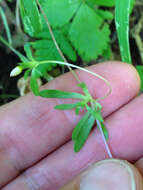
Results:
[83, 69]
[104, 140]
[55, 42]
[6, 25]
[22, 57]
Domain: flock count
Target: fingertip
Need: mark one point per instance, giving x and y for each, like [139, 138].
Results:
[108, 174]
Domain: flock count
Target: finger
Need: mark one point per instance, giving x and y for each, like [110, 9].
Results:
[30, 126]
[125, 139]
[108, 174]
[139, 165]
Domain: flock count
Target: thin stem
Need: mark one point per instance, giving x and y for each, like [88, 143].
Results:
[104, 140]
[6, 25]
[86, 70]
[18, 25]
[55, 42]
[23, 58]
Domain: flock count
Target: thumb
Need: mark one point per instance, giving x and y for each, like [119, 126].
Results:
[108, 174]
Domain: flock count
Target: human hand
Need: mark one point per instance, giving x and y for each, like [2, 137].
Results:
[36, 151]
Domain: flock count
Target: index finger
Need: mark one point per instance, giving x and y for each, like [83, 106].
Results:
[31, 128]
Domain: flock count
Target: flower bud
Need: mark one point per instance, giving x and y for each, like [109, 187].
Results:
[16, 71]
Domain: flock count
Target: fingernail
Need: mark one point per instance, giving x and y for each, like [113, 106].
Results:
[109, 174]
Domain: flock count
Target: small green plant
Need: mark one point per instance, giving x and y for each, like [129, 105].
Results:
[76, 30]
[91, 107]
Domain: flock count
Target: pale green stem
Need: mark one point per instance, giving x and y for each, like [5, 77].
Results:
[55, 42]
[86, 70]
[104, 140]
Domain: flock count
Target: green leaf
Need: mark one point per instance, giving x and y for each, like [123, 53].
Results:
[84, 88]
[86, 32]
[30, 17]
[45, 48]
[105, 14]
[33, 82]
[65, 106]
[60, 94]
[60, 12]
[132, 5]
[97, 115]
[140, 71]
[28, 51]
[79, 126]
[26, 74]
[77, 110]
[106, 3]
[83, 134]
[122, 26]
[105, 131]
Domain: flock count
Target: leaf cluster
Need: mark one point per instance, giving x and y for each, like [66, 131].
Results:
[91, 108]
[80, 28]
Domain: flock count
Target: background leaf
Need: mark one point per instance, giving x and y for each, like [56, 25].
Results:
[30, 17]
[60, 12]
[140, 71]
[86, 32]
[108, 3]
[122, 12]
[45, 49]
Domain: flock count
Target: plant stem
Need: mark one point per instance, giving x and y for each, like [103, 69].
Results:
[18, 24]
[6, 25]
[14, 50]
[86, 70]
[104, 140]
[55, 42]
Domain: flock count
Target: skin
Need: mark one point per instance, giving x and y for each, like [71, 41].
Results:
[36, 151]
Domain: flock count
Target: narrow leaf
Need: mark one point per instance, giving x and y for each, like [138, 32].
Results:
[79, 126]
[33, 82]
[28, 51]
[26, 74]
[30, 17]
[122, 12]
[65, 106]
[84, 88]
[83, 134]
[60, 94]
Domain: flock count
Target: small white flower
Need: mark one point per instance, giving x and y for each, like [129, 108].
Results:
[16, 71]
